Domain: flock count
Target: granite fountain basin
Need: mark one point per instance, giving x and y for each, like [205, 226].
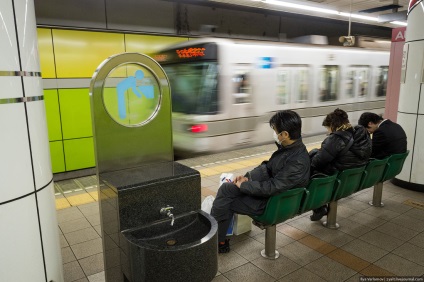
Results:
[184, 251]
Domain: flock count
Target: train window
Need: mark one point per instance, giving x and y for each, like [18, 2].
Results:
[363, 82]
[194, 87]
[383, 72]
[292, 84]
[350, 84]
[357, 81]
[329, 83]
[283, 87]
[301, 79]
[242, 87]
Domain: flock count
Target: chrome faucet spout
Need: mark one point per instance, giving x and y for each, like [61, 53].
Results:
[167, 211]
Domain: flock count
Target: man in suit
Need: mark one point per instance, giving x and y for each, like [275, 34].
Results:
[387, 137]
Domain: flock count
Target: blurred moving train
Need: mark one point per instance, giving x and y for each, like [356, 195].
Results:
[224, 91]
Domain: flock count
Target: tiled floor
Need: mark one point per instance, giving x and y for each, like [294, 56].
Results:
[371, 241]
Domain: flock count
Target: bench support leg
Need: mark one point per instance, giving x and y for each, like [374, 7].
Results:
[332, 216]
[377, 195]
[270, 240]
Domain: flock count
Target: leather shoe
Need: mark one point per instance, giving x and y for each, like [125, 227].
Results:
[224, 247]
[319, 213]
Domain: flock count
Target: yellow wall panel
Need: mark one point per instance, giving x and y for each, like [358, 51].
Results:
[45, 49]
[79, 53]
[148, 44]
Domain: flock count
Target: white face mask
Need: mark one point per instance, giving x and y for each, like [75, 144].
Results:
[275, 135]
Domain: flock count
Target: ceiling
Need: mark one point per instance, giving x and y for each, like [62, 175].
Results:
[388, 13]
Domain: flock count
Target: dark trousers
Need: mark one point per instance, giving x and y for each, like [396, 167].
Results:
[230, 200]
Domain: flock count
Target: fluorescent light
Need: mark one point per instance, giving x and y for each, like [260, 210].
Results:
[399, 23]
[356, 16]
[302, 7]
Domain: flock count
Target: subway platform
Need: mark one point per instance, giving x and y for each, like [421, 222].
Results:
[371, 241]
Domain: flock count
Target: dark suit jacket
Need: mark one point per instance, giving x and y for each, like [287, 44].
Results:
[388, 139]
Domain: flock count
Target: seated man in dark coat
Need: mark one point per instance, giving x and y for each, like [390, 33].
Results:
[287, 168]
[388, 138]
[345, 147]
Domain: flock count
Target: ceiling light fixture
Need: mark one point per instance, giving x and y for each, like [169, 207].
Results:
[324, 11]
[399, 23]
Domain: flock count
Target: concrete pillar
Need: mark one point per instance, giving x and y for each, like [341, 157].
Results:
[411, 99]
[29, 239]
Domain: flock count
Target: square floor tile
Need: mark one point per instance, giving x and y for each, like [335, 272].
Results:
[381, 240]
[353, 228]
[398, 231]
[330, 270]
[92, 264]
[89, 209]
[368, 220]
[69, 214]
[334, 237]
[98, 277]
[411, 252]
[72, 271]
[276, 268]
[229, 261]
[364, 250]
[67, 255]
[299, 253]
[82, 235]
[409, 222]
[399, 266]
[301, 275]
[74, 225]
[88, 248]
[418, 240]
[249, 249]
[248, 273]
[396, 206]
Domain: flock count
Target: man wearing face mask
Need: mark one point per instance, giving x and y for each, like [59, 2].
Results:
[288, 168]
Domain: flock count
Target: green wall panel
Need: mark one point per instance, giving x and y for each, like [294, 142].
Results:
[57, 157]
[76, 113]
[53, 115]
[79, 153]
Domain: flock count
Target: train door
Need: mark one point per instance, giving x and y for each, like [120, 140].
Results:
[357, 83]
[242, 116]
[357, 89]
[381, 81]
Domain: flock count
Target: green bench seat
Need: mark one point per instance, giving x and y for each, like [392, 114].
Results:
[324, 190]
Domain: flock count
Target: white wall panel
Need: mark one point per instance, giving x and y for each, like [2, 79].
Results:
[415, 21]
[33, 86]
[408, 123]
[409, 91]
[421, 107]
[11, 86]
[27, 34]
[417, 175]
[15, 165]
[8, 43]
[21, 255]
[51, 243]
[39, 143]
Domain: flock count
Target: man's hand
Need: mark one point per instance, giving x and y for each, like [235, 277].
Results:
[239, 180]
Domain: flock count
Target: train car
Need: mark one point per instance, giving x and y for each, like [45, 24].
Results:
[224, 91]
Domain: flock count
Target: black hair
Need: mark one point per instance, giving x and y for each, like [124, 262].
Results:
[336, 119]
[287, 121]
[369, 117]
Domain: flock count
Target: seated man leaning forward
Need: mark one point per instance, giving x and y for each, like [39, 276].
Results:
[388, 137]
[287, 168]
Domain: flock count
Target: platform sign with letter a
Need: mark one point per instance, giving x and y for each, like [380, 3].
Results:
[398, 34]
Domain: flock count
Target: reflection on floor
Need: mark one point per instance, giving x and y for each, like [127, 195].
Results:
[371, 241]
